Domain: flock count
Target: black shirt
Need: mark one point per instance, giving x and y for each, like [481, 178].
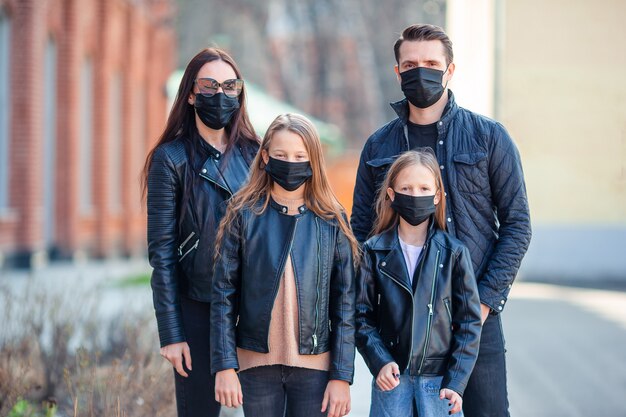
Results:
[422, 136]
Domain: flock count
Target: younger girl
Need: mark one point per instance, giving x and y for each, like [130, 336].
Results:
[418, 310]
[283, 299]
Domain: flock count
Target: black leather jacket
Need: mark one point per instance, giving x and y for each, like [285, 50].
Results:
[434, 331]
[247, 275]
[487, 206]
[180, 241]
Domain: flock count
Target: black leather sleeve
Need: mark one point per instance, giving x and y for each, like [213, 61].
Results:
[224, 295]
[368, 340]
[466, 322]
[341, 311]
[164, 190]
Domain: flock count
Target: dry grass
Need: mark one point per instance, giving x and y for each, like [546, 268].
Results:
[55, 350]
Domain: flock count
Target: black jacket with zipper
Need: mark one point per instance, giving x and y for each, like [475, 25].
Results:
[247, 275]
[432, 331]
[181, 239]
[487, 206]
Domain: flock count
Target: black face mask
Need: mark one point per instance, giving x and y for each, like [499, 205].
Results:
[414, 209]
[422, 86]
[216, 111]
[289, 175]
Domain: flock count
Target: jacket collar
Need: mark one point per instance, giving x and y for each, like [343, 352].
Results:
[284, 209]
[393, 264]
[228, 171]
[401, 108]
[388, 239]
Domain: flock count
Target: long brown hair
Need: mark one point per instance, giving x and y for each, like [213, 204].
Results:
[318, 195]
[386, 216]
[181, 122]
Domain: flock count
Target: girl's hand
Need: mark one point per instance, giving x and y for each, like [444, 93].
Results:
[175, 353]
[228, 389]
[336, 398]
[455, 399]
[388, 377]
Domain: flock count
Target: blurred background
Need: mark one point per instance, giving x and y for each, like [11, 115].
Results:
[84, 93]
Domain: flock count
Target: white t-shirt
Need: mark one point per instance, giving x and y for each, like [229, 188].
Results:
[411, 255]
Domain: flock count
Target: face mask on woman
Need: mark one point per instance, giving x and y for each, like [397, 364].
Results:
[216, 111]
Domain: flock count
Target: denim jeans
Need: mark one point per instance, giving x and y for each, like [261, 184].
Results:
[195, 395]
[272, 391]
[486, 392]
[414, 392]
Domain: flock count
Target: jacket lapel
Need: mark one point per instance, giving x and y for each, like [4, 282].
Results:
[233, 167]
[393, 265]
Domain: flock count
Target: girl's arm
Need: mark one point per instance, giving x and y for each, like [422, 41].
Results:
[224, 293]
[466, 322]
[368, 339]
[341, 311]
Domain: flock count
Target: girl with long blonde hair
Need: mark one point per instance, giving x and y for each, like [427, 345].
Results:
[418, 310]
[282, 313]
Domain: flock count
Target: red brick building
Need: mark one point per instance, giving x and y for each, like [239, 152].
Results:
[82, 98]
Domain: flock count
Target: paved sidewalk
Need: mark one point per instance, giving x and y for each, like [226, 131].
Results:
[566, 346]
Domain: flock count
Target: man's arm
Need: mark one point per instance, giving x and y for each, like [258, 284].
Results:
[362, 218]
[510, 201]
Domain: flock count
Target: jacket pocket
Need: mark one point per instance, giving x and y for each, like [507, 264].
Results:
[471, 172]
[379, 168]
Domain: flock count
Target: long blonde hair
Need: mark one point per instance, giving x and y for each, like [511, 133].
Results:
[386, 216]
[318, 195]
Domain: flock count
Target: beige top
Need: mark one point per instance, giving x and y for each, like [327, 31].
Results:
[283, 333]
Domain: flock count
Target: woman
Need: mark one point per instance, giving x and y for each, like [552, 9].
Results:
[201, 159]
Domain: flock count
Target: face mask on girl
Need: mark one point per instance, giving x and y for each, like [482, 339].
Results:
[422, 86]
[414, 209]
[216, 111]
[289, 175]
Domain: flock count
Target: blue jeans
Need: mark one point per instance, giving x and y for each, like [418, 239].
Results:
[486, 393]
[195, 395]
[272, 391]
[421, 390]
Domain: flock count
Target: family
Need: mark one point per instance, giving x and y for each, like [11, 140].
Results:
[263, 288]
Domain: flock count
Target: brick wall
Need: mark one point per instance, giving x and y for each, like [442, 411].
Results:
[134, 39]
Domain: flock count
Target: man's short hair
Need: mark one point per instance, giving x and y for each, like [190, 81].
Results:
[423, 32]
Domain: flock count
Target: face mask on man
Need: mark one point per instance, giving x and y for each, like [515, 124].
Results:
[414, 209]
[422, 86]
[289, 175]
[216, 111]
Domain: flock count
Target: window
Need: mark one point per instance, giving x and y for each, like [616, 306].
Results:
[49, 139]
[85, 176]
[5, 56]
[115, 144]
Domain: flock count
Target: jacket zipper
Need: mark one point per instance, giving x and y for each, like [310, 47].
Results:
[317, 286]
[430, 314]
[446, 303]
[412, 311]
[182, 245]
[282, 271]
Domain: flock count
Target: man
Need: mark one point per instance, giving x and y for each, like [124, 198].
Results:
[487, 205]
